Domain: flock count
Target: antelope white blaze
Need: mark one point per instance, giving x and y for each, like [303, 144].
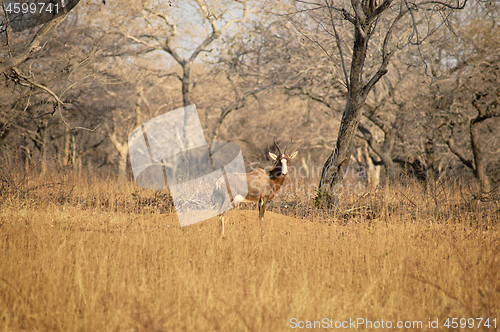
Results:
[284, 168]
[238, 199]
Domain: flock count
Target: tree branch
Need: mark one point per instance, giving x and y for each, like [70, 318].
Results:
[215, 32]
[28, 79]
[309, 94]
[379, 10]
[360, 15]
[141, 42]
[39, 38]
[467, 162]
[444, 4]
[386, 55]
[339, 47]
[122, 148]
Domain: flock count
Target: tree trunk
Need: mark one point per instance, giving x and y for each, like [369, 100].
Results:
[384, 151]
[390, 167]
[27, 158]
[66, 151]
[186, 88]
[373, 171]
[330, 185]
[122, 157]
[122, 165]
[122, 149]
[479, 161]
[4, 132]
[44, 138]
[89, 167]
[73, 153]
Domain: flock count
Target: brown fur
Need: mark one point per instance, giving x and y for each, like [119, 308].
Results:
[262, 184]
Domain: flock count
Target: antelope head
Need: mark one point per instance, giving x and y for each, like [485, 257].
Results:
[282, 159]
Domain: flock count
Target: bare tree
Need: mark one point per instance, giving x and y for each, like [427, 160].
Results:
[480, 150]
[46, 100]
[465, 103]
[161, 33]
[365, 17]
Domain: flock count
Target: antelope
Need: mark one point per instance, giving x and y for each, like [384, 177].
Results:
[262, 184]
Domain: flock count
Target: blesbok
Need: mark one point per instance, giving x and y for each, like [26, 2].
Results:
[261, 184]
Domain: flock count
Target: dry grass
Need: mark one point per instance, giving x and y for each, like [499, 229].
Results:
[79, 255]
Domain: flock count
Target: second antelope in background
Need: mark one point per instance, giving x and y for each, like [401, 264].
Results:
[262, 184]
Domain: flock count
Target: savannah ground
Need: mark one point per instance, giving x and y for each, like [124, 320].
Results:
[80, 254]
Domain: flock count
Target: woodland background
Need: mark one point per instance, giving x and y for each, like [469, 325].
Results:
[256, 71]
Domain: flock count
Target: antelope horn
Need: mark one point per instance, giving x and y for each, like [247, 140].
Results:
[288, 144]
[277, 146]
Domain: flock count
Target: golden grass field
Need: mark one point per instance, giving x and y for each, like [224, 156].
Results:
[100, 255]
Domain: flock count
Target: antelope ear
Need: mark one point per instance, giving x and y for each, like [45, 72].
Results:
[273, 156]
[293, 155]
